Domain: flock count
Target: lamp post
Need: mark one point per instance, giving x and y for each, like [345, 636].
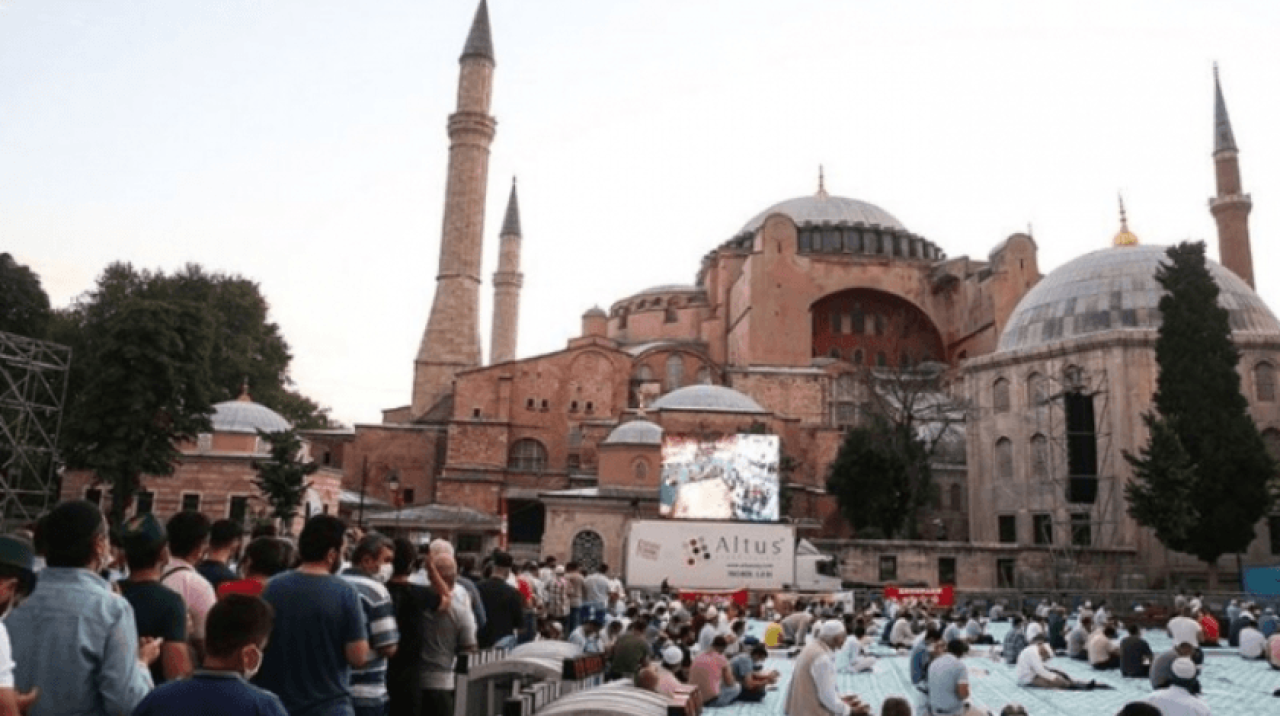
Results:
[393, 484]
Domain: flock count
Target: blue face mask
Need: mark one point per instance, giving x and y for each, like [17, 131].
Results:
[758, 666]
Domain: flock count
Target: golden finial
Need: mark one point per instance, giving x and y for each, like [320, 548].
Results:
[1125, 237]
[822, 183]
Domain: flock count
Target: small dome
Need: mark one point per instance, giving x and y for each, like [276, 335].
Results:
[595, 312]
[707, 399]
[820, 208]
[636, 432]
[1116, 289]
[246, 416]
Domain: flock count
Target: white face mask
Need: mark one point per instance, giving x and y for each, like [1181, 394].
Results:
[384, 573]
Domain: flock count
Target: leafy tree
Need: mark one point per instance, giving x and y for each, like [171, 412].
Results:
[282, 478]
[142, 385]
[24, 306]
[1205, 461]
[880, 477]
[882, 474]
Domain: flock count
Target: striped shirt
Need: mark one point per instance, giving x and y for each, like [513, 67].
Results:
[369, 683]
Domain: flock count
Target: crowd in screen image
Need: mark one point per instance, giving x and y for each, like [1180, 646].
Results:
[734, 477]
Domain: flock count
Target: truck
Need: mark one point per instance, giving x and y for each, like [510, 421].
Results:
[715, 556]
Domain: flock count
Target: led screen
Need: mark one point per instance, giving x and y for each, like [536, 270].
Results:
[734, 477]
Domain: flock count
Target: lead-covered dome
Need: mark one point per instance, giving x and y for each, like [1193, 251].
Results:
[636, 432]
[245, 416]
[822, 208]
[1116, 289]
[707, 399]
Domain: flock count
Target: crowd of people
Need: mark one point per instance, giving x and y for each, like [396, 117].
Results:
[194, 617]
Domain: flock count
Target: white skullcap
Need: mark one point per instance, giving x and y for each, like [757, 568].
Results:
[672, 655]
[831, 629]
[712, 613]
[1184, 668]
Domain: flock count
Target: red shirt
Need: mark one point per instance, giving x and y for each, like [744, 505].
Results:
[251, 587]
[707, 673]
[1210, 626]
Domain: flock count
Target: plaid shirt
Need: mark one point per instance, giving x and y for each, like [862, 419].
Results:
[558, 596]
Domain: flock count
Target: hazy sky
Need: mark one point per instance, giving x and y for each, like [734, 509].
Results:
[302, 144]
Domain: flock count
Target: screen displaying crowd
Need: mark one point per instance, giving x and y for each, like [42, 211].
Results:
[734, 477]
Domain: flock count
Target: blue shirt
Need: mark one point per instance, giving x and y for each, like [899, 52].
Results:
[369, 683]
[945, 674]
[919, 660]
[77, 640]
[210, 693]
[317, 616]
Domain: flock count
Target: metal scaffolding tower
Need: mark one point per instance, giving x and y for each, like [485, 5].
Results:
[33, 386]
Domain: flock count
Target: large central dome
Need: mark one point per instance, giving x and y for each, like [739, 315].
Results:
[1116, 289]
[824, 209]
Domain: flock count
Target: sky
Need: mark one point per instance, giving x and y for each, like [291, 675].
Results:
[302, 144]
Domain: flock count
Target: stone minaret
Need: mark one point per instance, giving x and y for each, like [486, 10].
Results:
[1230, 208]
[506, 287]
[451, 342]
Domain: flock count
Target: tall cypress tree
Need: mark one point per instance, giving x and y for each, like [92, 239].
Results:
[1205, 459]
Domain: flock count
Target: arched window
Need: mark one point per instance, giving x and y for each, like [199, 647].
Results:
[527, 455]
[834, 353]
[957, 496]
[1037, 390]
[858, 319]
[882, 360]
[1004, 459]
[640, 470]
[844, 402]
[1264, 382]
[704, 375]
[904, 360]
[857, 357]
[1000, 395]
[671, 315]
[675, 371]
[1039, 457]
[588, 550]
[1271, 439]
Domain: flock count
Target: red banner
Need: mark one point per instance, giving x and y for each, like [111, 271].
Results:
[738, 596]
[940, 596]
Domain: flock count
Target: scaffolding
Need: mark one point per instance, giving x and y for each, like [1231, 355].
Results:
[33, 387]
[1082, 506]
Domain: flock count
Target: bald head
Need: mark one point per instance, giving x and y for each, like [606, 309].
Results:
[447, 566]
[647, 679]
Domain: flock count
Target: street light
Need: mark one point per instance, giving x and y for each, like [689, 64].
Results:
[393, 484]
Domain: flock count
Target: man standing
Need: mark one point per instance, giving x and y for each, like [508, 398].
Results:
[949, 683]
[575, 588]
[158, 611]
[370, 569]
[503, 606]
[188, 540]
[597, 590]
[813, 678]
[224, 548]
[631, 652]
[558, 597]
[442, 640]
[319, 631]
[76, 640]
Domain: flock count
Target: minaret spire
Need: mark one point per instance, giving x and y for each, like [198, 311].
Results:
[506, 287]
[1231, 207]
[822, 183]
[451, 341]
[1124, 237]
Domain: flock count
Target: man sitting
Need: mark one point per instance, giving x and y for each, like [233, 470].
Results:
[1103, 652]
[1015, 641]
[1253, 645]
[1078, 639]
[748, 669]
[1135, 655]
[1162, 665]
[711, 674]
[1032, 671]
[236, 632]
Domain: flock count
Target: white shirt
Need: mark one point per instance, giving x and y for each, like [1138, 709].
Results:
[901, 634]
[1252, 643]
[1184, 630]
[6, 659]
[196, 591]
[1031, 665]
[823, 671]
[1177, 701]
[1034, 629]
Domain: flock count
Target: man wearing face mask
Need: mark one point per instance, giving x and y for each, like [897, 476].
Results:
[319, 631]
[236, 633]
[17, 579]
[75, 639]
[370, 569]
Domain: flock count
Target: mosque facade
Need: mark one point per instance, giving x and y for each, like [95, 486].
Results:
[777, 332]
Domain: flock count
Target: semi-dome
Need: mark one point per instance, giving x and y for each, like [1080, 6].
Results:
[822, 208]
[707, 399]
[245, 416]
[635, 432]
[1116, 289]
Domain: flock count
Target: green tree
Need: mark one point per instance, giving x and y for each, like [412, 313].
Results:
[282, 478]
[24, 306]
[1205, 454]
[142, 385]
